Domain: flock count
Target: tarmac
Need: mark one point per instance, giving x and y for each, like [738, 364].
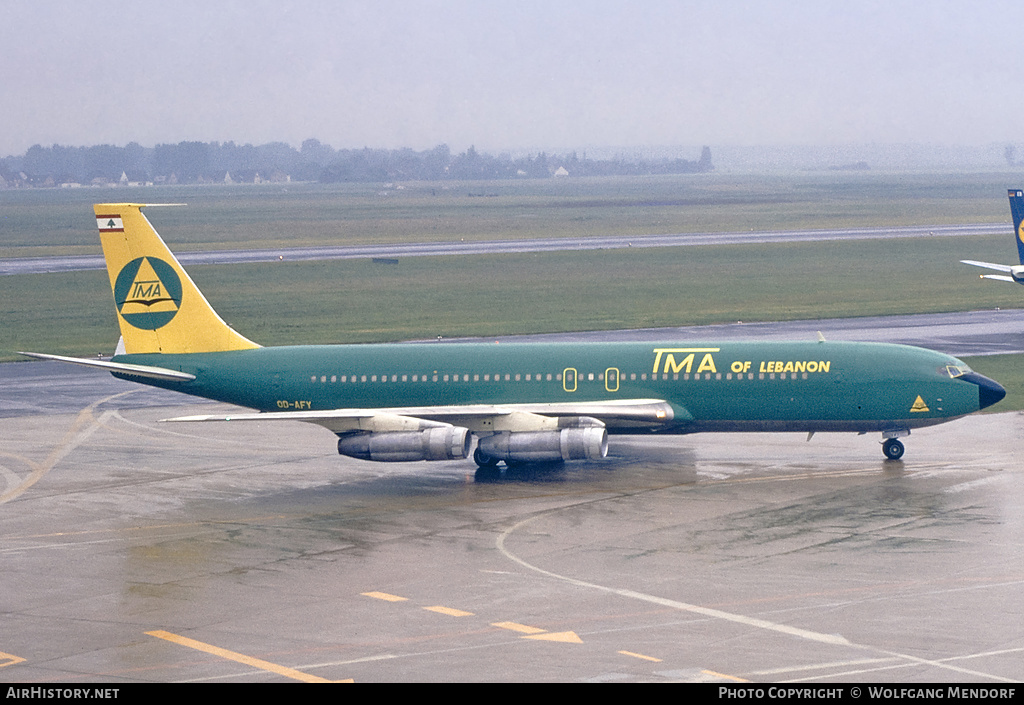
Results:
[135, 551]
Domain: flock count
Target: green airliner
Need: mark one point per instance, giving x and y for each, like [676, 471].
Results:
[520, 402]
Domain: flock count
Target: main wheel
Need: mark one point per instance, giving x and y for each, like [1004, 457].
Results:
[893, 449]
[484, 460]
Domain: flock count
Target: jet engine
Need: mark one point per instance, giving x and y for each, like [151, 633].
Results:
[538, 446]
[443, 443]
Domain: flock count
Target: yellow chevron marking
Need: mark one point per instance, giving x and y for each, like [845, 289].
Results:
[9, 659]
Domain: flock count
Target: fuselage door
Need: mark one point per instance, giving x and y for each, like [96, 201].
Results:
[611, 379]
[569, 379]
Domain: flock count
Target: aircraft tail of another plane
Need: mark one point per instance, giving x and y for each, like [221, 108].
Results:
[1017, 211]
[159, 307]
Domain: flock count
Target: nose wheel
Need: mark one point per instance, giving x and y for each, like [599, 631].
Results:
[893, 448]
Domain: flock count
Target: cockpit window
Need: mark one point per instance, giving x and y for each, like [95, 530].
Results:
[955, 371]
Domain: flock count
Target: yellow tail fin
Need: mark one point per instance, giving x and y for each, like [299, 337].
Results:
[158, 306]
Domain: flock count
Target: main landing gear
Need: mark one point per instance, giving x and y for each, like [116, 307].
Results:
[893, 448]
[484, 461]
[487, 467]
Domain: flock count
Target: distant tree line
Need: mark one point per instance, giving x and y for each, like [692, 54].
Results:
[208, 162]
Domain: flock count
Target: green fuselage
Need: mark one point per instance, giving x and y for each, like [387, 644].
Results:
[729, 386]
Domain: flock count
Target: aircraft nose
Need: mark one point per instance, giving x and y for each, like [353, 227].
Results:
[989, 391]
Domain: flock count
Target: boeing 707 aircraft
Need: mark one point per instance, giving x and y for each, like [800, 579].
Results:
[1015, 271]
[511, 403]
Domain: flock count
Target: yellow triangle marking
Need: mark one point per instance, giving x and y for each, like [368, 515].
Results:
[516, 627]
[385, 596]
[919, 405]
[564, 637]
[148, 294]
[9, 659]
[450, 611]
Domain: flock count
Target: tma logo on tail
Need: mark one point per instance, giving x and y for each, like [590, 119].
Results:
[147, 293]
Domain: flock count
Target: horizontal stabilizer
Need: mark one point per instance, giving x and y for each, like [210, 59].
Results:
[119, 367]
[989, 265]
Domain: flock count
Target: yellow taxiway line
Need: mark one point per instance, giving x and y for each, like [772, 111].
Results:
[240, 658]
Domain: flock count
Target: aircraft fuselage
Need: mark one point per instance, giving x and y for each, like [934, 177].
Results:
[730, 386]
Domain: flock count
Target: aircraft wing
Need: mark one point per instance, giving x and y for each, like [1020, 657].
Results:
[481, 418]
[990, 265]
[119, 367]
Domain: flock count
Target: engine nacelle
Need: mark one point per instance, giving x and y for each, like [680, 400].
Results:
[444, 443]
[589, 443]
[1017, 272]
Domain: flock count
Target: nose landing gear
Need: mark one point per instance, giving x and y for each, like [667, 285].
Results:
[893, 448]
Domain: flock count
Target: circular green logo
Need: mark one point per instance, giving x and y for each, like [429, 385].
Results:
[147, 293]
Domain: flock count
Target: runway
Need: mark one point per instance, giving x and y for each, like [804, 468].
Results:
[37, 265]
[988, 332]
[134, 551]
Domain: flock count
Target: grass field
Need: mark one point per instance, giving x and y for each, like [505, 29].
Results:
[59, 221]
[346, 301]
[1008, 370]
[362, 301]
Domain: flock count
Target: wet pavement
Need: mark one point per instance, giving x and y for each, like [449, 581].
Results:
[139, 551]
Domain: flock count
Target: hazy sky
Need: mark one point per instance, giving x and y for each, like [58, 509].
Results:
[522, 74]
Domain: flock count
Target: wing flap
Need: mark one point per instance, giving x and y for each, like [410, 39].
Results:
[477, 417]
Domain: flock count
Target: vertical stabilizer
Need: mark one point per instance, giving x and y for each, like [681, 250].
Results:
[159, 308]
[1017, 211]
